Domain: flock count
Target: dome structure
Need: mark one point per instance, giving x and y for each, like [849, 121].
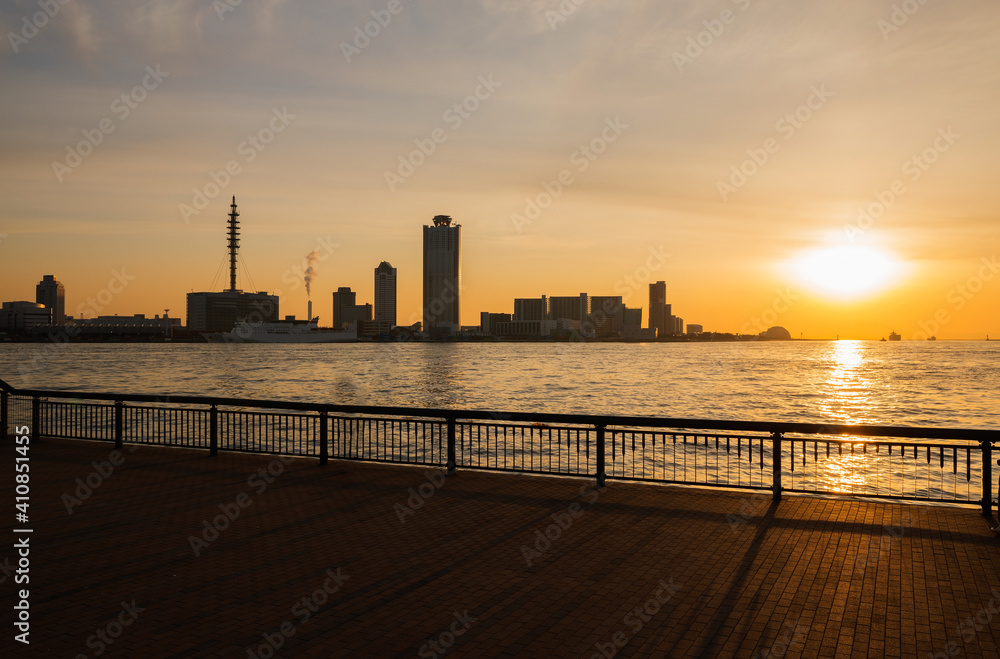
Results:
[776, 333]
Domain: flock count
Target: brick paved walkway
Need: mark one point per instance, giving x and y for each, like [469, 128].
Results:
[320, 563]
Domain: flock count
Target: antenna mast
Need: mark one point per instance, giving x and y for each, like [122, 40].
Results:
[234, 244]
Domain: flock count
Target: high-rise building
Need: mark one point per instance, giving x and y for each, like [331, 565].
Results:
[385, 294]
[52, 294]
[442, 276]
[345, 309]
[659, 310]
[607, 315]
[531, 308]
[632, 318]
[569, 308]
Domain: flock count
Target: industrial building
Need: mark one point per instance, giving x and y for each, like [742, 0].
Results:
[218, 312]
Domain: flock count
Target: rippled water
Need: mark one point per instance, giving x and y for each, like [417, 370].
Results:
[943, 383]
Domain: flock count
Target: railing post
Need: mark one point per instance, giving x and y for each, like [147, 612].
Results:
[119, 423]
[987, 502]
[451, 446]
[776, 438]
[4, 403]
[36, 418]
[213, 441]
[324, 448]
[601, 475]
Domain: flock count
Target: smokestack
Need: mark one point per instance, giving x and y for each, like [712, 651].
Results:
[310, 310]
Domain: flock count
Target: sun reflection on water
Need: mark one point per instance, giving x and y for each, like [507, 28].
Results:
[848, 399]
[848, 391]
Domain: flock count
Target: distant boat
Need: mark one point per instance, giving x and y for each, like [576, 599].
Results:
[284, 332]
[932, 338]
[895, 337]
[882, 339]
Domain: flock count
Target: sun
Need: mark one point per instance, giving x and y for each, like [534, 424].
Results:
[847, 271]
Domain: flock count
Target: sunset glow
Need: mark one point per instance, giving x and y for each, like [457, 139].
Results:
[847, 272]
[568, 139]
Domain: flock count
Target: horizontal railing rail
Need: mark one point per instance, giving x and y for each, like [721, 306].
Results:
[863, 460]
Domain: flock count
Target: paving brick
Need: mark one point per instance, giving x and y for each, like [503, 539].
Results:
[791, 578]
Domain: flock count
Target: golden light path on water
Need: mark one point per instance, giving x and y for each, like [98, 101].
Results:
[849, 399]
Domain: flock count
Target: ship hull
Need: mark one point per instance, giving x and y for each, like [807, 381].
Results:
[267, 333]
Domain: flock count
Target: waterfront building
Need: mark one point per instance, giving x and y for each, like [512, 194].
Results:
[218, 312]
[442, 276]
[607, 315]
[659, 310]
[346, 310]
[531, 308]
[489, 322]
[20, 316]
[525, 329]
[385, 294]
[52, 293]
[570, 307]
[695, 329]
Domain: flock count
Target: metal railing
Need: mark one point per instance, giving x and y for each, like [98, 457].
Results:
[899, 462]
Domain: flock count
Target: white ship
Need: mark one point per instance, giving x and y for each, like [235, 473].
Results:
[284, 332]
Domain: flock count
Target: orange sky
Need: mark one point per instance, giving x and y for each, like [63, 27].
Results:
[635, 118]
